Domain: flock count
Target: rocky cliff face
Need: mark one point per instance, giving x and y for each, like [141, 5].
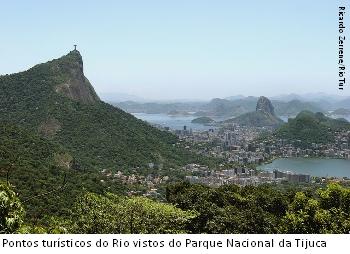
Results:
[264, 105]
[264, 115]
[75, 86]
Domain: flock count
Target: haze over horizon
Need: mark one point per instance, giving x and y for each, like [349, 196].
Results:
[194, 50]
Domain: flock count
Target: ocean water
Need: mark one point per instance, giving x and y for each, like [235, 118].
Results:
[173, 122]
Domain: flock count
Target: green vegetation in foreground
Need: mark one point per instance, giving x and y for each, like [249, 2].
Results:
[203, 120]
[264, 209]
[308, 128]
[194, 209]
[11, 210]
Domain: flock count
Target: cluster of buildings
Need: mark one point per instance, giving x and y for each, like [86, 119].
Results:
[184, 132]
[150, 181]
[340, 148]
[240, 144]
[241, 176]
[234, 144]
[291, 176]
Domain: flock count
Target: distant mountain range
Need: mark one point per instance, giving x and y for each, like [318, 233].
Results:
[157, 107]
[342, 104]
[341, 112]
[315, 97]
[226, 108]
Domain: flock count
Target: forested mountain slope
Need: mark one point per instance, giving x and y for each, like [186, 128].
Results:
[57, 101]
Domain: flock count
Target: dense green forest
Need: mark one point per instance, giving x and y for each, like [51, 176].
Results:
[264, 209]
[193, 209]
[35, 166]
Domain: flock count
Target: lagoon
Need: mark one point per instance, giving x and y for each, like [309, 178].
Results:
[312, 166]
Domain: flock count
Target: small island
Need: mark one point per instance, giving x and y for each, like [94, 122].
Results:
[203, 120]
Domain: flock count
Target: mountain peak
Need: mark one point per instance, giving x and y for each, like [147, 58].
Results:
[264, 116]
[264, 105]
[75, 85]
[74, 55]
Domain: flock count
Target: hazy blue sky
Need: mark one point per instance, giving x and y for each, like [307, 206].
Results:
[181, 48]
